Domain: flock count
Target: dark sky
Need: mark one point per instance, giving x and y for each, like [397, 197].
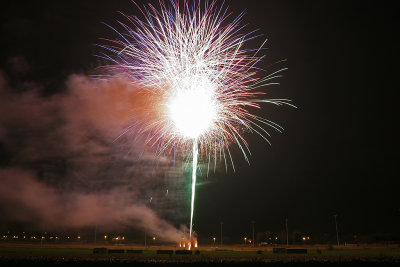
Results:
[339, 151]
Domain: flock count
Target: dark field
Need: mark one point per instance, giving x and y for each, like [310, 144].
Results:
[67, 255]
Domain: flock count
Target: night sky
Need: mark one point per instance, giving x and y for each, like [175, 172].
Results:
[337, 155]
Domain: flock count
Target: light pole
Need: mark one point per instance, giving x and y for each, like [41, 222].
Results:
[214, 241]
[253, 222]
[95, 234]
[337, 232]
[245, 239]
[41, 238]
[221, 232]
[145, 230]
[287, 233]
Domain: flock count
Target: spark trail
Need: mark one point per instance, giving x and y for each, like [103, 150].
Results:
[194, 169]
[201, 81]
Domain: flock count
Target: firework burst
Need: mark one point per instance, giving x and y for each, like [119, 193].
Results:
[192, 59]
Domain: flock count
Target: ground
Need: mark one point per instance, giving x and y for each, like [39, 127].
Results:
[71, 254]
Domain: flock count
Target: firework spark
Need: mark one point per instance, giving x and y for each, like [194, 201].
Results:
[205, 81]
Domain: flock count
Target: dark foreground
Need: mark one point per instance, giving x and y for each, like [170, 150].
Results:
[188, 262]
[86, 255]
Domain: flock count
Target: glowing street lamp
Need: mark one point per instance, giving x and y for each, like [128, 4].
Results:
[245, 239]
[214, 240]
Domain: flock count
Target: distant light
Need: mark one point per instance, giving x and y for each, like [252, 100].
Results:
[154, 238]
[304, 238]
[105, 237]
[79, 237]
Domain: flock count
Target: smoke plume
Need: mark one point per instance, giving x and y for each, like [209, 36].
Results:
[62, 164]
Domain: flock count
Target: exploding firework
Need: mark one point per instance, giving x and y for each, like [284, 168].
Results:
[192, 61]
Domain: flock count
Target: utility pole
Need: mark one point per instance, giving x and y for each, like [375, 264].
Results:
[221, 232]
[287, 233]
[252, 222]
[337, 232]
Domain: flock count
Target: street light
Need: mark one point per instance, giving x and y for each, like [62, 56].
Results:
[221, 232]
[287, 233]
[245, 239]
[337, 233]
[253, 222]
[214, 240]
[95, 234]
